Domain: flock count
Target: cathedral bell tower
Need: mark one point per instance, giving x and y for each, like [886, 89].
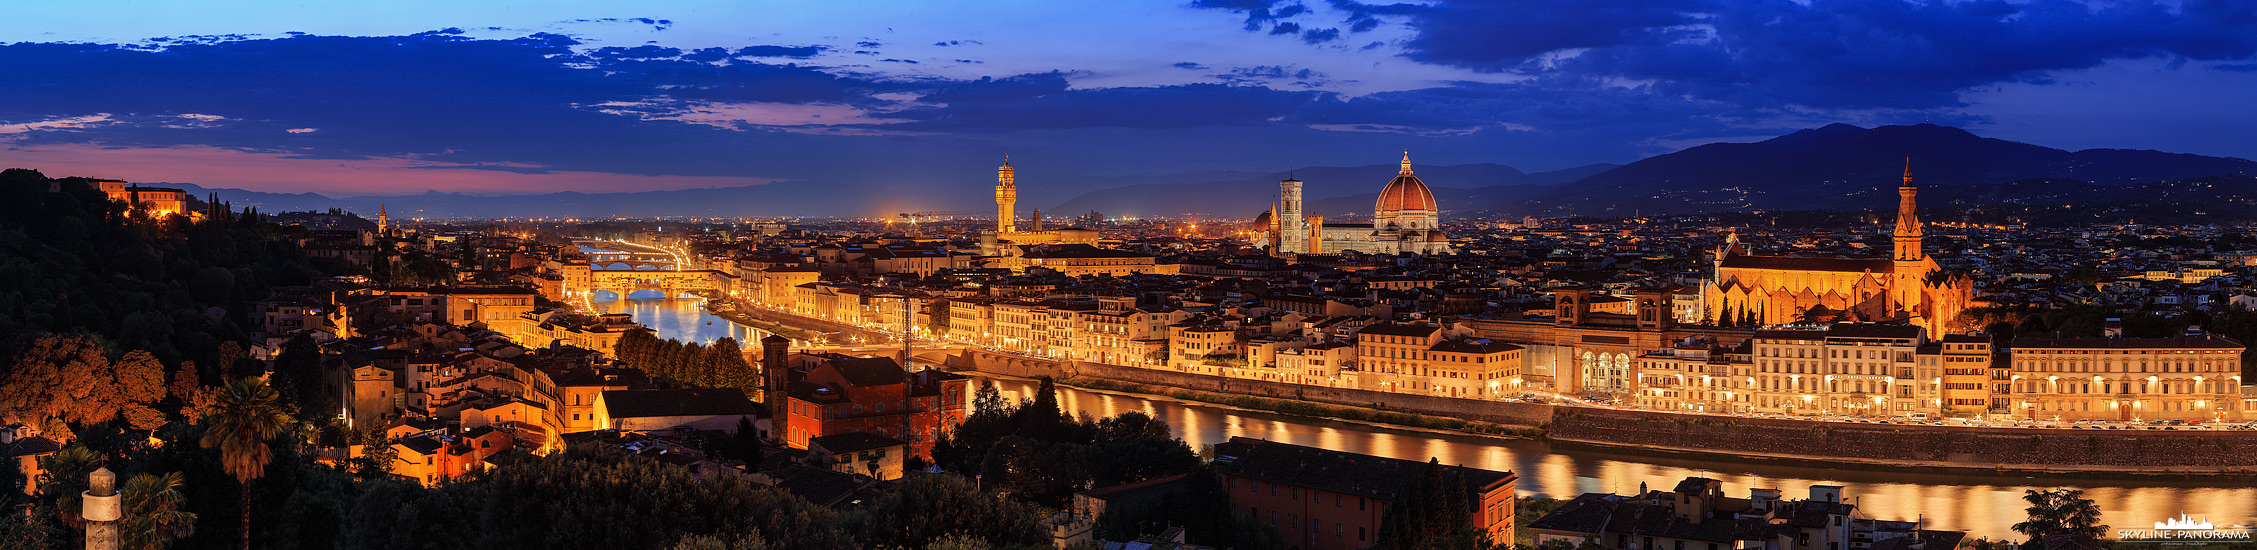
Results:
[1006, 198]
[1292, 229]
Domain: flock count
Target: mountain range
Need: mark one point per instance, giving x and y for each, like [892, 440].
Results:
[1838, 166]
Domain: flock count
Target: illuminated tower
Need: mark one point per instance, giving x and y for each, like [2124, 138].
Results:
[1911, 267]
[1908, 221]
[1292, 234]
[383, 222]
[1006, 197]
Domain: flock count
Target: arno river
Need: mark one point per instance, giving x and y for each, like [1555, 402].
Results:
[683, 319]
[1982, 505]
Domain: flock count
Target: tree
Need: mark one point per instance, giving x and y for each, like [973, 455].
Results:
[745, 445]
[66, 481]
[376, 454]
[298, 371]
[245, 416]
[189, 387]
[926, 509]
[153, 518]
[2060, 511]
[1435, 512]
[59, 381]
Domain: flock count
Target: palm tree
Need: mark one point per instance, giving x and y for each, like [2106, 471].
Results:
[66, 481]
[246, 414]
[153, 518]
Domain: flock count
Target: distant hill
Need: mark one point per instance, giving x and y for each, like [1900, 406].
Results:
[775, 199]
[1330, 191]
[1846, 167]
[1837, 167]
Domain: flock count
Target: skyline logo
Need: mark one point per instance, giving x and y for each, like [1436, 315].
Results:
[2185, 529]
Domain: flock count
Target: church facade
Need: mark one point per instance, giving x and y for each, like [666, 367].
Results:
[1907, 286]
[1405, 220]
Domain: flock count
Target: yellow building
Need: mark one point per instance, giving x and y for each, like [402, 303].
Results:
[152, 200]
[2178, 378]
[1907, 286]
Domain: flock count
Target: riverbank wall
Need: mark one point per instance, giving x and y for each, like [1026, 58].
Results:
[2015, 449]
[2028, 450]
[1496, 412]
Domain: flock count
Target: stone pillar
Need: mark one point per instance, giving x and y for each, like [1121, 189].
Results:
[100, 506]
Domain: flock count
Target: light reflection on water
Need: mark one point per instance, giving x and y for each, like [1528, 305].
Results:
[1982, 505]
[682, 319]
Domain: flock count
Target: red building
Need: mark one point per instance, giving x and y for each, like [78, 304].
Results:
[841, 394]
[1323, 500]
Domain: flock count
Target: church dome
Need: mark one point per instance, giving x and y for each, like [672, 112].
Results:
[1436, 237]
[1262, 222]
[1405, 192]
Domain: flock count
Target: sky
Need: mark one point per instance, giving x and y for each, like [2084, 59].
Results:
[924, 98]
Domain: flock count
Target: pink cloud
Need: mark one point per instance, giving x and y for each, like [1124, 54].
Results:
[271, 172]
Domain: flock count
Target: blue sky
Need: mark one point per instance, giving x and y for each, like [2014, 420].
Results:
[514, 97]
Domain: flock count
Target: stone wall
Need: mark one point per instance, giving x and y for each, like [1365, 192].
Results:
[2128, 451]
[1518, 414]
[2011, 448]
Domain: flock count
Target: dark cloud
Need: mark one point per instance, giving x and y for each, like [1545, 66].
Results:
[801, 52]
[959, 43]
[1043, 102]
[1259, 13]
[1285, 28]
[436, 96]
[1320, 36]
[1191, 65]
[1856, 54]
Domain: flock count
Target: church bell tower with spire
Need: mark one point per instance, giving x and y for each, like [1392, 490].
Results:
[1908, 219]
[1911, 264]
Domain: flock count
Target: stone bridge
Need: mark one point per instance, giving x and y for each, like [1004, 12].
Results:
[671, 282]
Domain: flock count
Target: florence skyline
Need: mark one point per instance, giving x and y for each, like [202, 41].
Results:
[501, 98]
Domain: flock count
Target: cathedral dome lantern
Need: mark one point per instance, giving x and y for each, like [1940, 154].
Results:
[1405, 192]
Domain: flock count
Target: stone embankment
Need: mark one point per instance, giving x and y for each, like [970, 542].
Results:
[2166, 452]
[2103, 452]
[1528, 415]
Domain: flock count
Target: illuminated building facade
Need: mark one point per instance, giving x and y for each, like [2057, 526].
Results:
[1906, 286]
[2177, 378]
[1405, 220]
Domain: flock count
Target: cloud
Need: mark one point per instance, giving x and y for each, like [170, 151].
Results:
[57, 123]
[1190, 65]
[1846, 54]
[801, 52]
[280, 173]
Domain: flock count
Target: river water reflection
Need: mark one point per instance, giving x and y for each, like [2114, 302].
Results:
[682, 319]
[1982, 505]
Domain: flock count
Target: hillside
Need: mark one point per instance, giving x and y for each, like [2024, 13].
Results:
[1842, 166]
